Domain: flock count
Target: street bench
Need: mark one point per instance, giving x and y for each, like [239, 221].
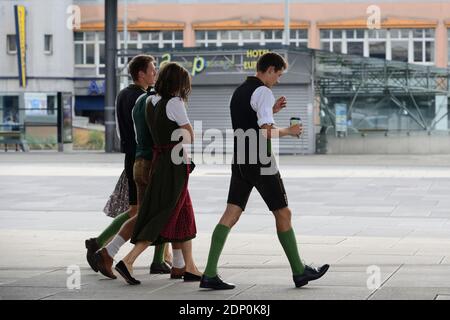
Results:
[14, 137]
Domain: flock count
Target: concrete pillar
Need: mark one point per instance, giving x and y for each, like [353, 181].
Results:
[441, 45]
[189, 36]
[313, 36]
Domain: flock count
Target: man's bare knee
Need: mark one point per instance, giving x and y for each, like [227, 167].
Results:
[283, 219]
[231, 215]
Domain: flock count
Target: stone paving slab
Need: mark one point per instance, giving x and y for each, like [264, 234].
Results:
[354, 212]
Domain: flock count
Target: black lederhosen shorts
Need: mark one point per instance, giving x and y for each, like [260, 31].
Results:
[132, 191]
[270, 187]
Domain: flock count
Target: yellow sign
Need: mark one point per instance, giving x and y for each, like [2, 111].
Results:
[20, 13]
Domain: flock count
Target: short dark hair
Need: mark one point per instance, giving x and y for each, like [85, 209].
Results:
[139, 63]
[271, 59]
[173, 80]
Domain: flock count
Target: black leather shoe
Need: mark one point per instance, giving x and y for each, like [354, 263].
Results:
[190, 277]
[159, 268]
[310, 274]
[91, 246]
[215, 283]
[123, 271]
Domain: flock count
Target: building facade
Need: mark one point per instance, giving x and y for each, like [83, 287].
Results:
[409, 32]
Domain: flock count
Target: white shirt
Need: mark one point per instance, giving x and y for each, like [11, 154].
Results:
[175, 109]
[262, 102]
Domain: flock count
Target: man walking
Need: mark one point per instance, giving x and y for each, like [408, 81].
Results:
[252, 106]
[143, 73]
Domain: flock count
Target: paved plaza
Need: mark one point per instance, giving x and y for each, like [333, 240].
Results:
[381, 222]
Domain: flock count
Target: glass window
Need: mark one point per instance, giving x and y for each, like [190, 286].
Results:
[246, 34]
[350, 34]
[395, 33]
[234, 35]
[145, 36]
[148, 47]
[293, 34]
[302, 34]
[360, 34]
[79, 53]
[11, 43]
[132, 46]
[256, 34]
[418, 33]
[337, 34]
[154, 36]
[101, 36]
[429, 51]
[48, 43]
[404, 33]
[377, 49]
[200, 35]
[167, 35]
[278, 34]
[418, 52]
[224, 35]
[400, 51]
[268, 34]
[78, 36]
[212, 35]
[429, 33]
[51, 105]
[101, 48]
[9, 105]
[90, 54]
[133, 36]
[89, 36]
[325, 34]
[178, 35]
[355, 48]
[337, 47]
[325, 45]
[228, 45]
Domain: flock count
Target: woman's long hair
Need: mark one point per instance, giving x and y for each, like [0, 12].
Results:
[173, 81]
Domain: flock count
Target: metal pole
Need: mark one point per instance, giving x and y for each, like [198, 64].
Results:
[110, 85]
[125, 27]
[286, 22]
[124, 75]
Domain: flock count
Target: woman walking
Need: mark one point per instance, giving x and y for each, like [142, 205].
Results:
[166, 214]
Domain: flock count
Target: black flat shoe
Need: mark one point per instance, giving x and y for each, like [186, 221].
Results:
[92, 247]
[190, 277]
[310, 274]
[123, 271]
[215, 283]
[159, 268]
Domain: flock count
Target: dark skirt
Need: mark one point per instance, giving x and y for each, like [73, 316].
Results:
[166, 214]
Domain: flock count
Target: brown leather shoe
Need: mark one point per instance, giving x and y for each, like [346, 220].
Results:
[177, 273]
[104, 263]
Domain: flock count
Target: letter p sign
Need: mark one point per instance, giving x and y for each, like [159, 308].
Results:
[198, 65]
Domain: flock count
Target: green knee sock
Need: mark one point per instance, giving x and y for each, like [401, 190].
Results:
[218, 239]
[158, 256]
[113, 228]
[287, 240]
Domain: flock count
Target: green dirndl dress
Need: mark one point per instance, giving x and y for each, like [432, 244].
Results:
[166, 213]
